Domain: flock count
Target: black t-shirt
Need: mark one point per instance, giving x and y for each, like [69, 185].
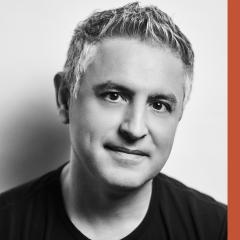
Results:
[36, 211]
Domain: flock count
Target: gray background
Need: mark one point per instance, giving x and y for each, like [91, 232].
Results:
[34, 41]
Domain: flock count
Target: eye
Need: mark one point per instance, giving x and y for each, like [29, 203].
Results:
[113, 97]
[159, 106]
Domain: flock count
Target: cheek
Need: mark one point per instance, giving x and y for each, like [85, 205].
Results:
[92, 121]
[163, 134]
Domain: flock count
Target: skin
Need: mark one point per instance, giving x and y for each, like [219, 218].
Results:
[122, 126]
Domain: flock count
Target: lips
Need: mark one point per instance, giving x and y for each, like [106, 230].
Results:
[116, 148]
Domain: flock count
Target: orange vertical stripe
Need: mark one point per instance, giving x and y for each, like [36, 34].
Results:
[233, 120]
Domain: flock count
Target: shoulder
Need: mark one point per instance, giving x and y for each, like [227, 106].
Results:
[190, 207]
[176, 187]
[187, 194]
[19, 197]
[176, 191]
[24, 209]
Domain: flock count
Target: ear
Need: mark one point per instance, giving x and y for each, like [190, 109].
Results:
[62, 97]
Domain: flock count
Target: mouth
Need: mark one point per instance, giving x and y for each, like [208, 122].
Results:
[120, 149]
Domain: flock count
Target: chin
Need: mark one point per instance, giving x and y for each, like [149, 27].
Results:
[120, 174]
[126, 180]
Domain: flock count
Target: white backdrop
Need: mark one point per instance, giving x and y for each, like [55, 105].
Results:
[34, 39]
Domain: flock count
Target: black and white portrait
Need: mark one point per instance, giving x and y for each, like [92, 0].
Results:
[119, 108]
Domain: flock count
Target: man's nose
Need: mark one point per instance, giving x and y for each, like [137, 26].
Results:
[133, 126]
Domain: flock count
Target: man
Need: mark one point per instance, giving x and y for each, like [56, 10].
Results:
[122, 92]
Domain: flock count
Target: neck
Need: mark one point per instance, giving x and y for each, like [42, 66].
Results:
[91, 205]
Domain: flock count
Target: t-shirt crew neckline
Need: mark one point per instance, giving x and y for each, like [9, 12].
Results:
[79, 235]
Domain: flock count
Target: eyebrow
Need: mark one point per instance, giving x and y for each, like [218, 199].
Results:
[109, 85]
[168, 97]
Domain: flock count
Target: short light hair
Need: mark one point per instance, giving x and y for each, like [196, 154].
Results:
[133, 21]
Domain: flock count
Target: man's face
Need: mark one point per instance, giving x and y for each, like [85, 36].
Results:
[123, 122]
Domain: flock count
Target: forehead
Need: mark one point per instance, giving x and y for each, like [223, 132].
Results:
[139, 65]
